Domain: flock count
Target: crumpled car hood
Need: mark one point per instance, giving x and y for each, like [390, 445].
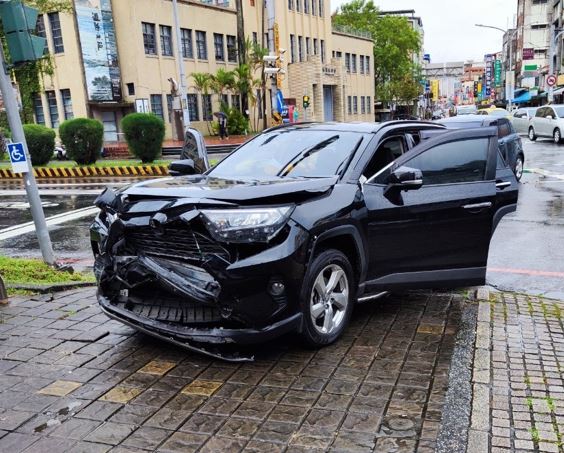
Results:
[231, 190]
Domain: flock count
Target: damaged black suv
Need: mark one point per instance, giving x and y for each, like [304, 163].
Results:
[295, 227]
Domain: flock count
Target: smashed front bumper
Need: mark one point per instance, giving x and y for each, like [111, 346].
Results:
[178, 285]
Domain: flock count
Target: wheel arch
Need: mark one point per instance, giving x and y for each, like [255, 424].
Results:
[347, 240]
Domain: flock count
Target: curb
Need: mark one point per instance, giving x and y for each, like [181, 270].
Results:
[52, 288]
[82, 172]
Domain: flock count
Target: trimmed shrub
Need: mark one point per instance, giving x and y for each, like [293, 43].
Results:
[237, 124]
[5, 135]
[83, 139]
[40, 143]
[144, 133]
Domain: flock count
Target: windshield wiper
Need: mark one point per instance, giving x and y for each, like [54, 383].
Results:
[294, 161]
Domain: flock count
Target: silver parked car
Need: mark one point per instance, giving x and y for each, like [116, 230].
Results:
[521, 119]
[548, 122]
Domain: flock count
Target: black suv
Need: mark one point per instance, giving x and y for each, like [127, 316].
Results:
[295, 227]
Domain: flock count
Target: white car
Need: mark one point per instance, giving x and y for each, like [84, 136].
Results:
[521, 119]
[548, 122]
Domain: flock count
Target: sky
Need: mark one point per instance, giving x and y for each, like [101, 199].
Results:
[450, 33]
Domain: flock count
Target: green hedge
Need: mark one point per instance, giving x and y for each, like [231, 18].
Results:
[5, 134]
[40, 143]
[83, 139]
[144, 133]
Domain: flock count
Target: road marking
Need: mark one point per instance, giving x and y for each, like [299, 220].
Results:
[540, 171]
[526, 272]
[28, 227]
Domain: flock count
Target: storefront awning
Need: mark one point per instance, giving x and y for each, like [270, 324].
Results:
[558, 91]
[525, 96]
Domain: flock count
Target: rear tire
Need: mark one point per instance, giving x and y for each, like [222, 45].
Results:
[327, 298]
[557, 136]
[532, 135]
[518, 169]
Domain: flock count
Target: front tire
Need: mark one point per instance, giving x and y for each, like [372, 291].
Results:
[532, 135]
[327, 298]
[519, 165]
[557, 136]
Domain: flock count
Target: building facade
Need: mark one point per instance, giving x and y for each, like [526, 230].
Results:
[115, 57]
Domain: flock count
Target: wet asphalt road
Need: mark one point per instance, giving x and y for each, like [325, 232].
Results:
[526, 253]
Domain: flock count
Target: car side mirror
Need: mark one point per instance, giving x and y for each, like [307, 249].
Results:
[406, 178]
[181, 167]
[549, 117]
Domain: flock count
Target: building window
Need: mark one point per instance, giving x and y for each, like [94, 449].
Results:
[353, 63]
[338, 54]
[130, 89]
[231, 49]
[315, 51]
[306, 6]
[56, 32]
[40, 31]
[308, 46]
[299, 5]
[367, 65]
[301, 47]
[187, 47]
[539, 26]
[193, 107]
[313, 7]
[348, 61]
[322, 42]
[362, 105]
[38, 109]
[169, 107]
[218, 46]
[355, 105]
[290, 4]
[157, 105]
[207, 107]
[225, 100]
[236, 102]
[166, 40]
[53, 111]
[292, 49]
[321, 8]
[260, 105]
[255, 37]
[149, 38]
[349, 105]
[201, 45]
[67, 104]
[361, 64]
[368, 105]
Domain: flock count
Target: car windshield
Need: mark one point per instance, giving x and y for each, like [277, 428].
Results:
[500, 113]
[291, 153]
[559, 111]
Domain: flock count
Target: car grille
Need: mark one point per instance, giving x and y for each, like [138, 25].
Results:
[178, 242]
[170, 310]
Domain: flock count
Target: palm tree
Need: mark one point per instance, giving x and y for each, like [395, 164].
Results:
[221, 81]
[202, 83]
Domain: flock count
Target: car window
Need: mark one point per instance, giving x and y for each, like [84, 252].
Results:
[559, 111]
[501, 164]
[388, 151]
[453, 162]
[518, 114]
[503, 129]
[291, 152]
[540, 113]
[531, 112]
[549, 112]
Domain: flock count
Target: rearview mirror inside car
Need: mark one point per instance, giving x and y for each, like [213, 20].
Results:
[181, 167]
[406, 178]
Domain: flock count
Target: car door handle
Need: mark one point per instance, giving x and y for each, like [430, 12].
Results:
[484, 205]
[502, 184]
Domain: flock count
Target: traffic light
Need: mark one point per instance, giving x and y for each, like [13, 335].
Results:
[19, 23]
[306, 101]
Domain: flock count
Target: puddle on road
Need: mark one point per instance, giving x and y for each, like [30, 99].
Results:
[47, 424]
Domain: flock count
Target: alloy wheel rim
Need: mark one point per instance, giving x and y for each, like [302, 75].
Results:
[557, 136]
[329, 299]
[519, 168]
[531, 133]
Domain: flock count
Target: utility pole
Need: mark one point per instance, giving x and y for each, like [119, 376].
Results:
[552, 51]
[271, 14]
[15, 122]
[182, 90]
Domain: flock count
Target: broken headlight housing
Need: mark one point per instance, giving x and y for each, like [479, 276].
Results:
[247, 224]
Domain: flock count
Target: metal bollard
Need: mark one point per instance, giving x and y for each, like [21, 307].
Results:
[3, 293]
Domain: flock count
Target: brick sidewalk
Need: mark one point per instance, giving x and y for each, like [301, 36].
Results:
[72, 380]
[518, 389]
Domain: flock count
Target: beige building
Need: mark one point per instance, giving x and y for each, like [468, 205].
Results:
[115, 57]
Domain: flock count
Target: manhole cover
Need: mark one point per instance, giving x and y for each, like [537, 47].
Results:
[400, 424]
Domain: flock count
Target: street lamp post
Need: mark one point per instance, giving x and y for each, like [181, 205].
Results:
[552, 50]
[511, 37]
[180, 63]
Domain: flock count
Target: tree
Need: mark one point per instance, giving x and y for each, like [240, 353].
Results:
[222, 80]
[202, 83]
[395, 43]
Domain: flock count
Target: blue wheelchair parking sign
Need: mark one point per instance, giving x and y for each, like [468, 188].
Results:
[18, 158]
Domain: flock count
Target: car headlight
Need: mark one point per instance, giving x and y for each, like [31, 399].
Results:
[246, 225]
